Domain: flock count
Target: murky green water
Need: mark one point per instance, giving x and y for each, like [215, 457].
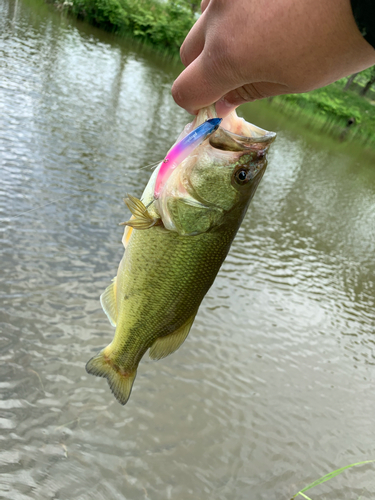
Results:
[275, 384]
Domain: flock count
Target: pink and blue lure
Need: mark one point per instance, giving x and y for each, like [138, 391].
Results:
[182, 150]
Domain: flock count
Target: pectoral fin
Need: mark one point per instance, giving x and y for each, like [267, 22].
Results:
[108, 302]
[141, 217]
[163, 346]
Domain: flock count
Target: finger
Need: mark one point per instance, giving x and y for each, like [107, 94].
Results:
[198, 86]
[248, 93]
[204, 5]
[193, 43]
[223, 107]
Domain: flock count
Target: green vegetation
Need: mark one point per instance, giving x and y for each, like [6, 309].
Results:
[327, 477]
[345, 113]
[340, 108]
[163, 24]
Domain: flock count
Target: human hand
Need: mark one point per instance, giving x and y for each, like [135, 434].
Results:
[243, 50]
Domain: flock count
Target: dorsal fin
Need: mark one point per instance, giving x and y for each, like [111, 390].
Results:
[163, 346]
[108, 302]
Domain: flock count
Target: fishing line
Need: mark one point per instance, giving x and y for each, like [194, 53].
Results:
[82, 190]
[152, 165]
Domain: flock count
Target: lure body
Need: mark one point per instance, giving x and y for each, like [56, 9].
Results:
[183, 149]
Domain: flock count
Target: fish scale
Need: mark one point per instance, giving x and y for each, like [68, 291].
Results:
[181, 276]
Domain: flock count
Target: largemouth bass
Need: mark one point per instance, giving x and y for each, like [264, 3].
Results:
[175, 244]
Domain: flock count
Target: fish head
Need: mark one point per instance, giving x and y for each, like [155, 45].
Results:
[213, 187]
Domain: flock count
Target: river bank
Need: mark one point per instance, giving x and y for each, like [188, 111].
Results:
[343, 114]
[164, 25]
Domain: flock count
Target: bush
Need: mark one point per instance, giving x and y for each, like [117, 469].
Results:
[164, 25]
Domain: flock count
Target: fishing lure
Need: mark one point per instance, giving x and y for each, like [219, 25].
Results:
[182, 150]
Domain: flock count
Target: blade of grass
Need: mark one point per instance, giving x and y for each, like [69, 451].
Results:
[329, 476]
[304, 496]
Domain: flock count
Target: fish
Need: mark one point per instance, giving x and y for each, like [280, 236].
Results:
[175, 244]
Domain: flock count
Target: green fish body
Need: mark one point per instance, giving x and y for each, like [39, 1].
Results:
[174, 249]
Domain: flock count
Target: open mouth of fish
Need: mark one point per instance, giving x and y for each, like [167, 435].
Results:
[235, 133]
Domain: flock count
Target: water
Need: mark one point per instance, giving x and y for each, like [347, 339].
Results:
[275, 384]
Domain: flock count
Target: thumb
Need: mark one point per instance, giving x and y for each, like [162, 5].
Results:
[197, 86]
[249, 92]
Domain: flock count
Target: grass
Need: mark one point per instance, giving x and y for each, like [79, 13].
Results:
[327, 477]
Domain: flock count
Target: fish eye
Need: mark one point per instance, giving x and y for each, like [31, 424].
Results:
[241, 176]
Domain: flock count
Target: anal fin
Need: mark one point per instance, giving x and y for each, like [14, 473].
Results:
[163, 346]
[109, 303]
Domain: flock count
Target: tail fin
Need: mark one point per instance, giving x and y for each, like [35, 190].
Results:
[120, 382]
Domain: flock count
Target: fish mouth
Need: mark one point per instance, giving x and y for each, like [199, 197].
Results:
[235, 134]
[228, 141]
